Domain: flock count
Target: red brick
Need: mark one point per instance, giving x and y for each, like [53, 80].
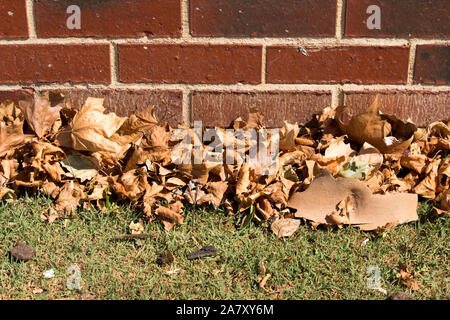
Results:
[263, 18]
[13, 19]
[110, 18]
[432, 64]
[220, 108]
[345, 64]
[14, 95]
[168, 104]
[400, 18]
[54, 63]
[421, 107]
[190, 63]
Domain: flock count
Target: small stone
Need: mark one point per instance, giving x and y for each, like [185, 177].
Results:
[165, 258]
[22, 252]
[400, 296]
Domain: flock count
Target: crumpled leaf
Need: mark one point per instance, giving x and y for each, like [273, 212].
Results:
[339, 148]
[69, 198]
[11, 139]
[39, 113]
[386, 133]
[285, 227]
[136, 227]
[427, 187]
[170, 214]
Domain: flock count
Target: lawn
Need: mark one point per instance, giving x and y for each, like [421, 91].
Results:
[312, 264]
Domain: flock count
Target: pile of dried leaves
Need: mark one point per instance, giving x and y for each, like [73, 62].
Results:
[82, 157]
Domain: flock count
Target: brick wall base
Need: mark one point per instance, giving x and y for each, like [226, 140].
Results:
[212, 60]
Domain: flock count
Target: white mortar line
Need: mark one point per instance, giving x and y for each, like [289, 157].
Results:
[30, 19]
[187, 112]
[185, 21]
[113, 57]
[186, 37]
[263, 64]
[246, 41]
[231, 87]
[337, 92]
[337, 98]
[340, 19]
[320, 42]
[412, 61]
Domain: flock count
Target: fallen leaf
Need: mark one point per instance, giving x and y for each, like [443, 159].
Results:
[39, 113]
[372, 127]
[263, 280]
[285, 227]
[92, 130]
[136, 227]
[80, 167]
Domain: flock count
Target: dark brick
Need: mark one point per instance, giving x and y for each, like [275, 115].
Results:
[168, 104]
[13, 19]
[110, 18]
[32, 63]
[190, 63]
[432, 64]
[263, 18]
[345, 64]
[14, 95]
[220, 108]
[400, 18]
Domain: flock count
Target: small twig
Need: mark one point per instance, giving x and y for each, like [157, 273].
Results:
[193, 193]
[134, 236]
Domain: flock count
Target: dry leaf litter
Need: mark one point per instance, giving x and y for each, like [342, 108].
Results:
[366, 170]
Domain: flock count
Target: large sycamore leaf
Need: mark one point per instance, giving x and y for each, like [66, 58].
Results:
[92, 130]
[39, 113]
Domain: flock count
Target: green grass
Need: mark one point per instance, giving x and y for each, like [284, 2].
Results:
[322, 264]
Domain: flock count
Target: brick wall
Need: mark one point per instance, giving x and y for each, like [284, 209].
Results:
[212, 60]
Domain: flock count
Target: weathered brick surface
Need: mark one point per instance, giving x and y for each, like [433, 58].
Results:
[421, 107]
[345, 64]
[210, 71]
[54, 63]
[13, 19]
[220, 108]
[399, 18]
[432, 65]
[110, 18]
[168, 104]
[14, 95]
[190, 63]
[263, 18]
